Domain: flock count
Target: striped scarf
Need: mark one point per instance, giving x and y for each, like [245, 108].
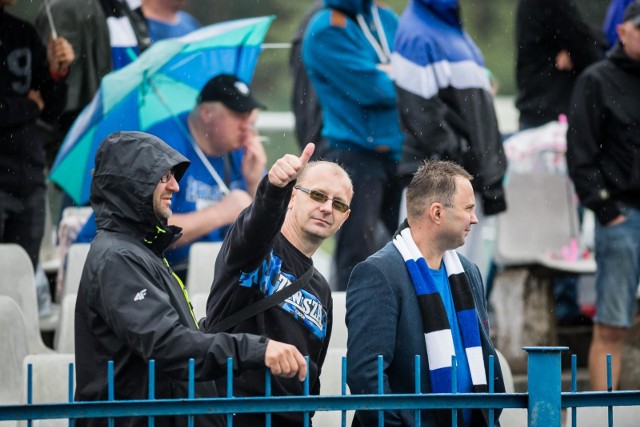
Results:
[128, 32]
[437, 331]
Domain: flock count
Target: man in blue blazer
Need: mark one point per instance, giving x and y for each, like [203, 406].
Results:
[417, 296]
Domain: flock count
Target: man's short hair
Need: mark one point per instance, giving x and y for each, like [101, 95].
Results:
[332, 165]
[434, 181]
[632, 13]
[231, 91]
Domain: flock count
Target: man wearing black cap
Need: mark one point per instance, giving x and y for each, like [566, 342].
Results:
[603, 156]
[227, 162]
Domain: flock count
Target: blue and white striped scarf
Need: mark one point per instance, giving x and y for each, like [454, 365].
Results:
[128, 32]
[437, 331]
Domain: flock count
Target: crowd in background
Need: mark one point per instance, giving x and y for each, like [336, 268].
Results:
[379, 95]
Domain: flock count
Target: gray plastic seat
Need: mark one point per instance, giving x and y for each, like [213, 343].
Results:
[50, 379]
[541, 217]
[331, 385]
[14, 349]
[202, 261]
[199, 302]
[64, 339]
[17, 282]
[76, 257]
[339, 331]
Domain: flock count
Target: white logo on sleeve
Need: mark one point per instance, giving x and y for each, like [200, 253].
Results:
[140, 295]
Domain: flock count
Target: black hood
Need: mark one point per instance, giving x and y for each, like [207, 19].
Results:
[622, 60]
[129, 166]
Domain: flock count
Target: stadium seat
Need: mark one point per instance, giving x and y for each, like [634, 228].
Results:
[14, 349]
[202, 260]
[64, 335]
[331, 385]
[76, 257]
[17, 282]
[199, 302]
[50, 383]
[339, 331]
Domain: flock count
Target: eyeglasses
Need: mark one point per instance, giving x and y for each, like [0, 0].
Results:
[320, 197]
[167, 176]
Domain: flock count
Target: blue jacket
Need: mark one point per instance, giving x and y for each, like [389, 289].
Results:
[358, 100]
[446, 108]
[383, 318]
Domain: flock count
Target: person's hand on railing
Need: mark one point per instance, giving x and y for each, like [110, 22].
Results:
[285, 360]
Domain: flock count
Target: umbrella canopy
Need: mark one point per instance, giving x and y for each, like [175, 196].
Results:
[162, 83]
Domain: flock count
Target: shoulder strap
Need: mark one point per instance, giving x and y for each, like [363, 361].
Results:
[262, 305]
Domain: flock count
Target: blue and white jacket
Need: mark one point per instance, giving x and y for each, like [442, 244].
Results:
[358, 99]
[446, 108]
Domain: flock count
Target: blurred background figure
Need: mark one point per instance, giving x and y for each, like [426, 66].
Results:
[227, 159]
[346, 51]
[446, 106]
[32, 87]
[106, 35]
[603, 155]
[554, 45]
[304, 100]
[166, 19]
[613, 18]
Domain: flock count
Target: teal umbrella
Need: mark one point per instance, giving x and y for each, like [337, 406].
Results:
[162, 83]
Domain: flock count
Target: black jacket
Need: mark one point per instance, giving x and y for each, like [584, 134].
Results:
[23, 67]
[130, 307]
[255, 261]
[543, 29]
[603, 140]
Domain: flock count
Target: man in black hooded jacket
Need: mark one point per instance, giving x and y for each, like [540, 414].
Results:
[132, 308]
[603, 156]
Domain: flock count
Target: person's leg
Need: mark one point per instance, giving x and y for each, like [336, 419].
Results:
[23, 222]
[390, 208]
[617, 251]
[356, 240]
[605, 340]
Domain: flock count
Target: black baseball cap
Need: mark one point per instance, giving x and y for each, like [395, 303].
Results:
[231, 91]
[632, 13]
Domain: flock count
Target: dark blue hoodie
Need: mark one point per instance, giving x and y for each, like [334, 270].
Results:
[446, 108]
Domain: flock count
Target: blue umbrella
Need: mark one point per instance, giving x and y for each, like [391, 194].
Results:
[162, 83]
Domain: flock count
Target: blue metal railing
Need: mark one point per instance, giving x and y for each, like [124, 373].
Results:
[543, 401]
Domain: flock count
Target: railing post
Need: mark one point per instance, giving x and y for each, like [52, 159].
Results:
[544, 379]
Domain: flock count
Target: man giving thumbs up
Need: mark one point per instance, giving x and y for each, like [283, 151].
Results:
[269, 247]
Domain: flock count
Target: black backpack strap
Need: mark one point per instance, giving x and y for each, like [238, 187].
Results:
[262, 305]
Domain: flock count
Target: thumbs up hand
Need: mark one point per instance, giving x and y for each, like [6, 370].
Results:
[288, 167]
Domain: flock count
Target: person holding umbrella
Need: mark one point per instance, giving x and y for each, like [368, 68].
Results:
[32, 87]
